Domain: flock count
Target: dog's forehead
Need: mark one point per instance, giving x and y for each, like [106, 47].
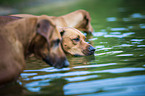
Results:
[74, 32]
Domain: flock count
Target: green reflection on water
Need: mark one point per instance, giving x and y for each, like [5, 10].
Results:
[117, 65]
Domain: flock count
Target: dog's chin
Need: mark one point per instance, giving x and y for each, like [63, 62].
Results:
[84, 54]
[91, 53]
[58, 65]
[87, 53]
[47, 60]
[77, 55]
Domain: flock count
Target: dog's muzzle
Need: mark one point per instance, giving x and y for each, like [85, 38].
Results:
[91, 50]
[59, 64]
[66, 63]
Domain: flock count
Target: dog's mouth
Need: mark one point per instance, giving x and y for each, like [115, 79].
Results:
[77, 55]
[47, 60]
[85, 52]
[89, 51]
[63, 62]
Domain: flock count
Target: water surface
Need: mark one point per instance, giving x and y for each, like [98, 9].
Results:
[116, 69]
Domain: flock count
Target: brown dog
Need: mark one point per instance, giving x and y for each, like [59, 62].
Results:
[21, 37]
[79, 19]
[74, 43]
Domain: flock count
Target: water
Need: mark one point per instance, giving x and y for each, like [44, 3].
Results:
[116, 69]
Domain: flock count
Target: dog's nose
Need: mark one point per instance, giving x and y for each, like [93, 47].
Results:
[66, 63]
[91, 48]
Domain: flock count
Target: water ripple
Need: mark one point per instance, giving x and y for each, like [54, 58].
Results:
[142, 26]
[25, 75]
[119, 29]
[80, 78]
[102, 85]
[49, 69]
[125, 55]
[78, 73]
[138, 15]
[111, 19]
[137, 40]
[140, 45]
[103, 49]
[57, 75]
[120, 70]
[123, 45]
[97, 34]
[111, 52]
[120, 36]
[98, 65]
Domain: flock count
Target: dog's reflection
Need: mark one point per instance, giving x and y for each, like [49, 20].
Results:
[13, 89]
[55, 88]
[74, 61]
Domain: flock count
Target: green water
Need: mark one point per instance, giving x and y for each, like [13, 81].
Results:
[117, 67]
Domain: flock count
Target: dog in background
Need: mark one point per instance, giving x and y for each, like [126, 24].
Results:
[79, 19]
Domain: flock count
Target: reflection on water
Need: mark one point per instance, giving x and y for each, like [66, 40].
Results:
[117, 67]
[108, 87]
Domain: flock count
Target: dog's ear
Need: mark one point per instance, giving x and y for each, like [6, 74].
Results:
[87, 18]
[43, 27]
[62, 33]
[61, 30]
[88, 22]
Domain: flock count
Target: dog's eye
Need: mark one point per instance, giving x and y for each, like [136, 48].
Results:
[76, 39]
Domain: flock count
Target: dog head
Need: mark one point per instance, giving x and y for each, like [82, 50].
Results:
[47, 43]
[74, 43]
[85, 23]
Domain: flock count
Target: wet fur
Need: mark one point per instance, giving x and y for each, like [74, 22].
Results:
[22, 37]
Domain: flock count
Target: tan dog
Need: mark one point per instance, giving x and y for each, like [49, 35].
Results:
[79, 19]
[22, 37]
[74, 43]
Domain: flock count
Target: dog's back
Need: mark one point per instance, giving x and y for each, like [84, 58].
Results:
[6, 19]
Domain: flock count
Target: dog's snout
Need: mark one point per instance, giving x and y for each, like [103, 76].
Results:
[91, 48]
[59, 65]
[66, 63]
